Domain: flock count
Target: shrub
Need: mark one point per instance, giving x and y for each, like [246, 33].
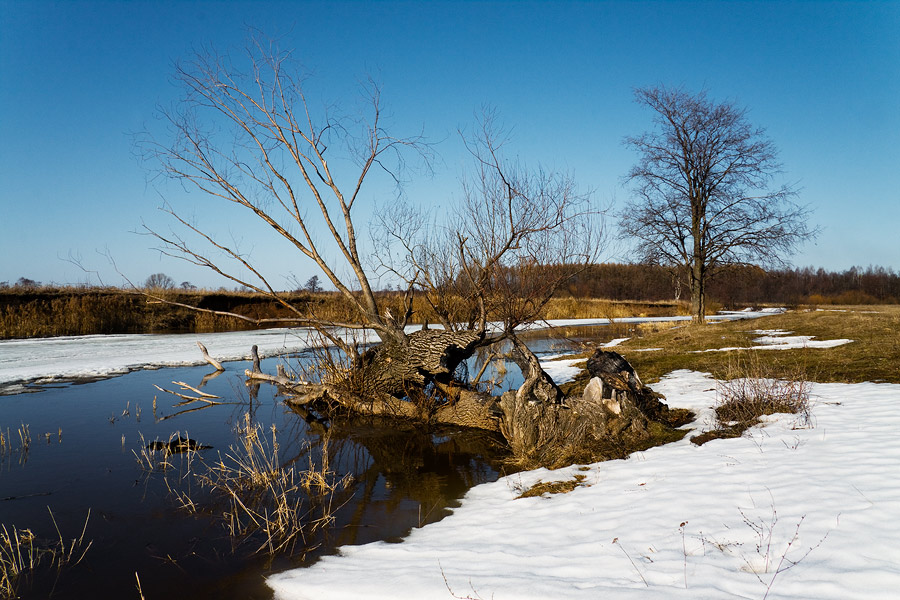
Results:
[749, 391]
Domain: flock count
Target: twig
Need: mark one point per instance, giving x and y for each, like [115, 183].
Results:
[616, 541]
[195, 390]
[188, 399]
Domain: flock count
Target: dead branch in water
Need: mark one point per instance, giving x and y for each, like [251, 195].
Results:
[210, 359]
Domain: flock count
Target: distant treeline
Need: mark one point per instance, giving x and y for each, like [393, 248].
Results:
[46, 312]
[606, 290]
[741, 285]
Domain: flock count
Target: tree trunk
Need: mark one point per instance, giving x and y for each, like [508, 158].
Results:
[426, 356]
[698, 294]
[610, 419]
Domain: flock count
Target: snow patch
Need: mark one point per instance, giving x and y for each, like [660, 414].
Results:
[676, 521]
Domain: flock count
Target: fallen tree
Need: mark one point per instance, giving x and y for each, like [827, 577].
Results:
[246, 136]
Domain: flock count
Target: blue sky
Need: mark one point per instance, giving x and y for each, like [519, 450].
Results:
[78, 78]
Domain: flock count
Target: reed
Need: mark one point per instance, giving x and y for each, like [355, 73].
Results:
[258, 499]
[46, 312]
[9, 445]
[22, 555]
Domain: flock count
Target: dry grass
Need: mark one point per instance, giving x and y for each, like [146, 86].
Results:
[17, 444]
[594, 308]
[750, 391]
[553, 487]
[872, 356]
[22, 554]
[44, 312]
[258, 498]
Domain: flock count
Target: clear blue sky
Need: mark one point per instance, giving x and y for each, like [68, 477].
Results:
[77, 78]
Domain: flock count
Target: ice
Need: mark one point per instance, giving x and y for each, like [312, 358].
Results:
[77, 357]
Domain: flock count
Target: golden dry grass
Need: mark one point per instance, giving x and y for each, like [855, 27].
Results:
[872, 356]
[23, 555]
[49, 312]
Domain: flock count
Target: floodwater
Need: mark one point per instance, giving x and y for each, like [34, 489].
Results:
[83, 458]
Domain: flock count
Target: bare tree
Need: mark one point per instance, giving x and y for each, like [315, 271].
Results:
[159, 281]
[312, 284]
[245, 134]
[703, 191]
[517, 236]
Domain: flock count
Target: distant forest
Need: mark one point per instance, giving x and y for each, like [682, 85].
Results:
[730, 286]
[741, 285]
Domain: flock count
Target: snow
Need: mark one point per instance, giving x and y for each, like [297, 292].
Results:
[76, 357]
[562, 370]
[722, 520]
[778, 339]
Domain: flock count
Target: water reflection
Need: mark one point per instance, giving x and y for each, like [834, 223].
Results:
[401, 479]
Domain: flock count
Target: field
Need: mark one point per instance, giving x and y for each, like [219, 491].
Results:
[873, 355]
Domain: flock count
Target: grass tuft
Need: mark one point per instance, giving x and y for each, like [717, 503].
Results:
[22, 555]
[553, 487]
[750, 391]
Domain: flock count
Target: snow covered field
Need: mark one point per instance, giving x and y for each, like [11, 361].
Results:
[790, 510]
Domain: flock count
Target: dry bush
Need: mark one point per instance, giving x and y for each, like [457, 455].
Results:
[750, 390]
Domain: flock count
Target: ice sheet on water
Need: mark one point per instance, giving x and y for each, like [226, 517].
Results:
[75, 357]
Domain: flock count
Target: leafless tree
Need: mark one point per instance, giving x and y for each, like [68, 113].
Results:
[253, 139]
[159, 281]
[703, 193]
[515, 238]
[312, 284]
[244, 133]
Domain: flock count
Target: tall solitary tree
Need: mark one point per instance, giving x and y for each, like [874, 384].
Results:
[704, 194]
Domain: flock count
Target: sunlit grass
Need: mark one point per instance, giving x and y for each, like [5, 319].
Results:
[872, 356]
[23, 554]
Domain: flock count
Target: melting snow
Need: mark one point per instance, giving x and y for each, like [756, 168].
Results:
[676, 521]
[74, 357]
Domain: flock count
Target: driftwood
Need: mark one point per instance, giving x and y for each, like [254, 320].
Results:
[210, 359]
[201, 397]
[465, 408]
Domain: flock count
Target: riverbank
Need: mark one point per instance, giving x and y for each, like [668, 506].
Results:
[790, 510]
[797, 507]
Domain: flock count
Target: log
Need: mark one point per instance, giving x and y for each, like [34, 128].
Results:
[467, 409]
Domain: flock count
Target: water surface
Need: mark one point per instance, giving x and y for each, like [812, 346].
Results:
[85, 437]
